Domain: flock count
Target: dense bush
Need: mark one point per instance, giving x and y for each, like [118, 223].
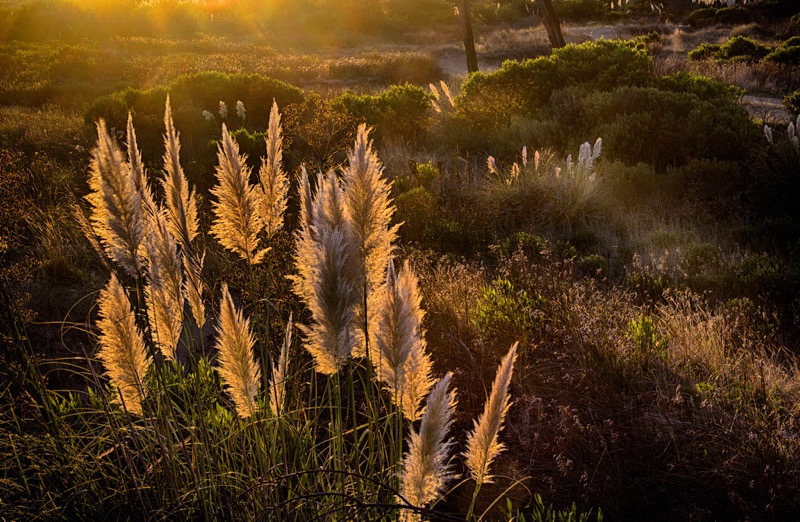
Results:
[738, 48]
[785, 55]
[521, 88]
[580, 9]
[190, 95]
[402, 112]
[792, 102]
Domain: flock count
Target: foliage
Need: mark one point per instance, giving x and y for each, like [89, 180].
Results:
[521, 88]
[401, 112]
[792, 102]
[503, 309]
[580, 9]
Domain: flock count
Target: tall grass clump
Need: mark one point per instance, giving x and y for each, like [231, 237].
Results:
[122, 349]
[426, 467]
[237, 366]
[329, 432]
[482, 442]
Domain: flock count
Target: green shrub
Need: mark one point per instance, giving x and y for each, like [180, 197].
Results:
[646, 338]
[792, 102]
[665, 128]
[698, 258]
[580, 9]
[532, 246]
[488, 101]
[743, 48]
[707, 89]
[794, 41]
[593, 265]
[505, 311]
[784, 56]
[401, 112]
[704, 51]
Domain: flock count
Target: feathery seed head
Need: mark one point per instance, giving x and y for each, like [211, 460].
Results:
[238, 220]
[768, 134]
[164, 293]
[330, 339]
[274, 182]
[425, 467]
[193, 287]
[369, 210]
[237, 366]
[122, 349]
[399, 357]
[482, 443]
[180, 201]
[240, 110]
[280, 374]
[223, 110]
[139, 181]
[116, 204]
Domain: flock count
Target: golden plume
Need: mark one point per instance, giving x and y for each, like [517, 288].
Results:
[122, 349]
[237, 366]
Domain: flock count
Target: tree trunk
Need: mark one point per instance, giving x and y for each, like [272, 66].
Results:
[469, 37]
[551, 23]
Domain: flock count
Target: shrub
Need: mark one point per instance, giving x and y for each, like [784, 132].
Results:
[580, 9]
[792, 102]
[743, 48]
[704, 51]
[505, 311]
[488, 101]
[666, 128]
[707, 89]
[401, 112]
[784, 56]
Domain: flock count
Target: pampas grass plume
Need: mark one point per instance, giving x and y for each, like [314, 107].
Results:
[425, 467]
[237, 222]
[237, 365]
[181, 213]
[369, 210]
[122, 349]
[280, 374]
[330, 339]
[400, 356]
[180, 202]
[164, 293]
[482, 443]
[274, 183]
[116, 205]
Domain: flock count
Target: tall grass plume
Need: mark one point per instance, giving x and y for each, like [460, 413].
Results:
[237, 365]
[122, 349]
[425, 468]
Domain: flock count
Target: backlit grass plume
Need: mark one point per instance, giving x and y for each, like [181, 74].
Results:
[324, 261]
[181, 212]
[137, 173]
[482, 443]
[180, 202]
[122, 349]
[331, 338]
[237, 366]
[164, 293]
[280, 374]
[318, 215]
[237, 222]
[399, 341]
[425, 467]
[369, 209]
[116, 205]
[274, 183]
